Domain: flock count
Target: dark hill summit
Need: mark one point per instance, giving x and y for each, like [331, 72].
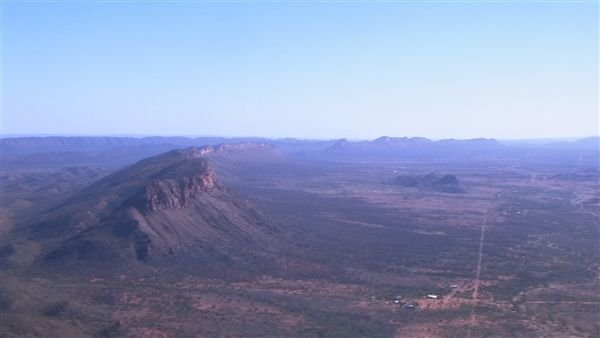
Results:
[167, 206]
[432, 182]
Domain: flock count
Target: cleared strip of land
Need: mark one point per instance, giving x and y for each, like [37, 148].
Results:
[477, 281]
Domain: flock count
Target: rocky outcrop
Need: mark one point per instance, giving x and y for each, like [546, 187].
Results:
[172, 193]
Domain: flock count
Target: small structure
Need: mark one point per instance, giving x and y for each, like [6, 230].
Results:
[396, 301]
[433, 296]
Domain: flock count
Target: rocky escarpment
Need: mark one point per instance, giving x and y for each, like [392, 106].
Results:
[172, 193]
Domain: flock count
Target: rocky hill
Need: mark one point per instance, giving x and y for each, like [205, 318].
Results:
[165, 208]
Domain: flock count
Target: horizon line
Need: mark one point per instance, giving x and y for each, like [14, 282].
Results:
[191, 136]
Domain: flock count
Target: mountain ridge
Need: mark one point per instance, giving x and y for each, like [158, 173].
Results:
[170, 205]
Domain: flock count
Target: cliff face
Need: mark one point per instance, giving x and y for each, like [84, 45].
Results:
[172, 193]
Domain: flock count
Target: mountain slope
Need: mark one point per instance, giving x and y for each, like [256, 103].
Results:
[168, 206]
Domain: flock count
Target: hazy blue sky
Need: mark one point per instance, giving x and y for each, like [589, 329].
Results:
[316, 70]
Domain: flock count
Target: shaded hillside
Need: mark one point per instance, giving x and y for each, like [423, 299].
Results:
[171, 206]
[431, 182]
[25, 193]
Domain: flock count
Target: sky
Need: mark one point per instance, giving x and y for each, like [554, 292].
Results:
[305, 69]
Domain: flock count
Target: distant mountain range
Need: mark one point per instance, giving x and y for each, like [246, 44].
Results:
[390, 146]
[54, 152]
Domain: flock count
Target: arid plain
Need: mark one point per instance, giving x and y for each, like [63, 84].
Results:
[351, 246]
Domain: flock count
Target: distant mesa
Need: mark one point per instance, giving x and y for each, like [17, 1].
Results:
[166, 206]
[431, 182]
